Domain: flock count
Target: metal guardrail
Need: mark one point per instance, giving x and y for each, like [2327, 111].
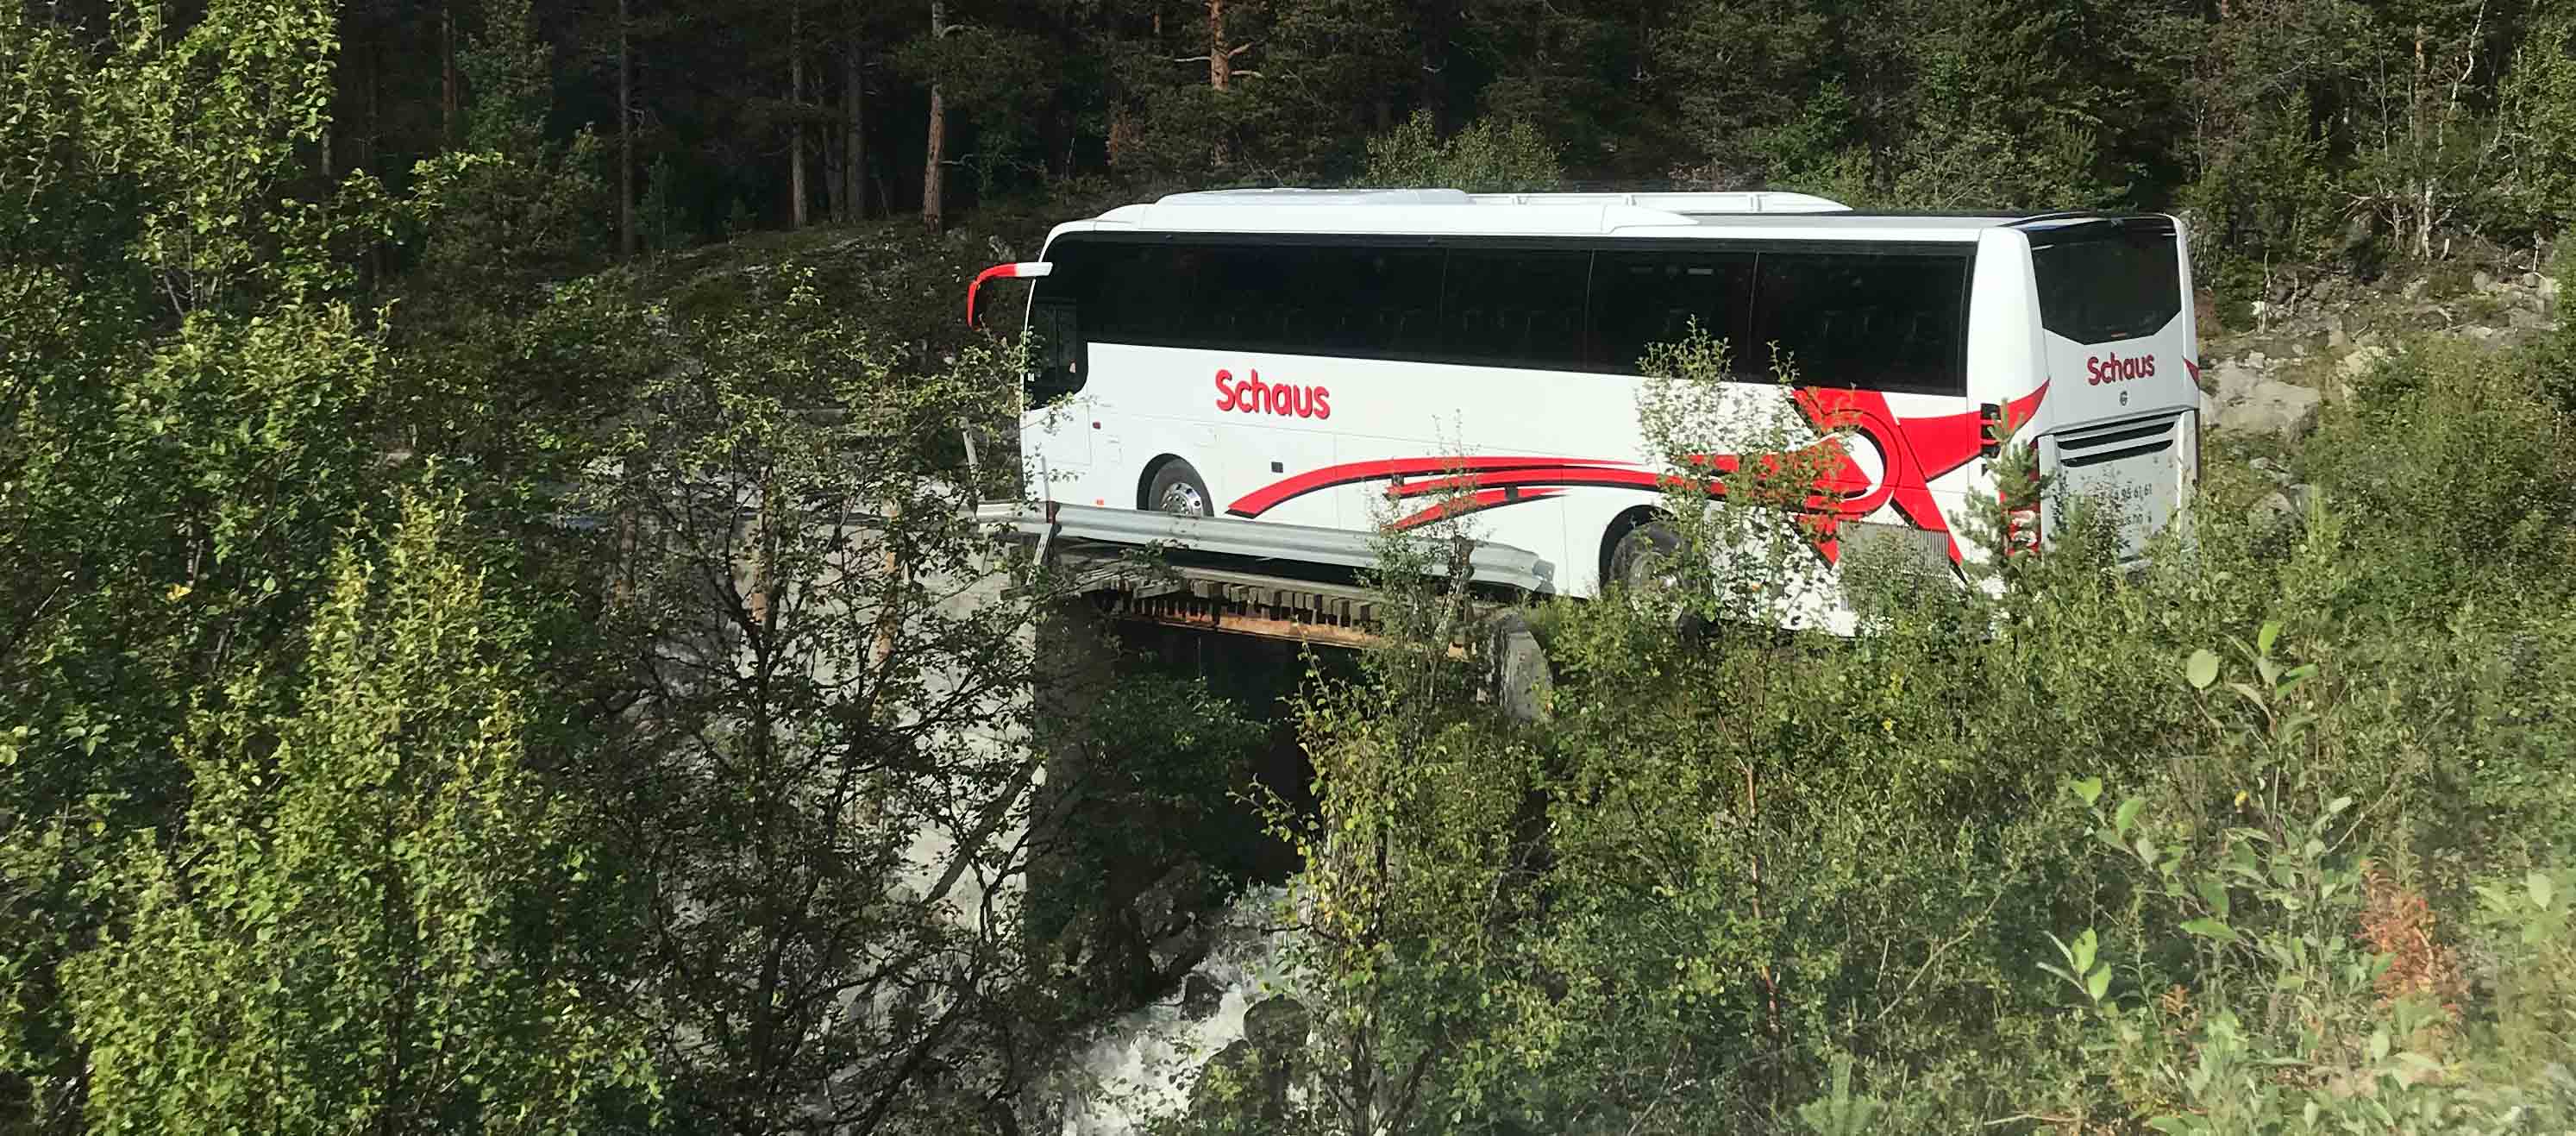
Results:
[1487, 562]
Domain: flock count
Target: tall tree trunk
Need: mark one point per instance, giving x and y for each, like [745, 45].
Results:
[451, 129]
[933, 216]
[854, 148]
[625, 135]
[1220, 65]
[1220, 70]
[368, 142]
[796, 122]
[836, 192]
[1432, 34]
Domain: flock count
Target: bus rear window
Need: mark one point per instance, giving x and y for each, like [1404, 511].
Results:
[2103, 281]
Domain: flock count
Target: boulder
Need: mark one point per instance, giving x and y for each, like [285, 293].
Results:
[2481, 281]
[2271, 469]
[1246, 1086]
[2232, 380]
[2351, 368]
[2361, 362]
[1276, 1024]
[2521, 320]
[2283, 505]
[2280, 409]
[1200, 996]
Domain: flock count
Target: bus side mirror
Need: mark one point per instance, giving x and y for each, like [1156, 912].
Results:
[1023, 270]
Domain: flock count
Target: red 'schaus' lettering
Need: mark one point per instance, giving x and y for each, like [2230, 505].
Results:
[1252, 396]
[2116, 369]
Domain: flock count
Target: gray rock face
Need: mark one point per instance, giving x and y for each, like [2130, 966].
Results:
[2234, 380]
[1200, 996]
[2283, 506]
[1277, 1023]
[1245, 1087]
[2361, 362]
[2280, 409]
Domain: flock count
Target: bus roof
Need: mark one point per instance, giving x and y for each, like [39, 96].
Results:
[1750, 215]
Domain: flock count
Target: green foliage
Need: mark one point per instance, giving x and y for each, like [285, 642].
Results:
[2479, 433]
[1736, 871]
[2537, 112]
[187, 422]
[373, 919]
[823, 793]
[1152, 767]
[1492, 156]
[1839, 1112]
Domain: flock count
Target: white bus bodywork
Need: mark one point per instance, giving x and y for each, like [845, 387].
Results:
[1389, 394]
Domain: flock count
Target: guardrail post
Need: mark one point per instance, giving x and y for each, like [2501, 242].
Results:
[1517, 676]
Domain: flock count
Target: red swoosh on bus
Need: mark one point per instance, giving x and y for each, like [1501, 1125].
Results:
[1473, 503]
[1916, 451]
[1269, 497]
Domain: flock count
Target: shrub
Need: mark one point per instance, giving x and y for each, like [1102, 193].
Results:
[1487, 157]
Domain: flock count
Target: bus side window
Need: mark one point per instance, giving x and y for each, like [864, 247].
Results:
[1493, 307]
[1379, 299]
[1644, 298]
[1880, 321]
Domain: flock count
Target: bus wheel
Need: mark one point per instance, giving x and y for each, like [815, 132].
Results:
[1641, 563]
[1176, 488]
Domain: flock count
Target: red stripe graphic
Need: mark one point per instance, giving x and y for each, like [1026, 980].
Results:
[1269, 497]
[1584, 475]
[1915, 452]
[1473, 503]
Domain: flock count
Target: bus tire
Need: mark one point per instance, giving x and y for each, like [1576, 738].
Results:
[1635, 559]
[1176, 488]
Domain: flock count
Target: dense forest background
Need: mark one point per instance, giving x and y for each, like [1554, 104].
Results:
[490, 638]
[2297, 131]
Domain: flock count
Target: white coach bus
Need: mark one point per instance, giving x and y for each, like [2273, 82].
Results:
[1308, 356]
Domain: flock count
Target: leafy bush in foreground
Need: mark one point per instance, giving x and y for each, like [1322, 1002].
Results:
[1744, 882]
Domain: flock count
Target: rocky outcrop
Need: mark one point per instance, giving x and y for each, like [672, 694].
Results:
[1247, 1086]
[2327, 334]
[2247, 399]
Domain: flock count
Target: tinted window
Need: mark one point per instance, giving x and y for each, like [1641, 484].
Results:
[1355, 300]
[2107, 280]
[1125, 304]
[1286, 298]
[1057, 365]
[1514, 307]
[1888, 321]
[1056, 358]
[1642, 298]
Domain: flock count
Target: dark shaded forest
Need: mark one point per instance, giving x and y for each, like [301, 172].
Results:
[2346, 132]
[493, 637]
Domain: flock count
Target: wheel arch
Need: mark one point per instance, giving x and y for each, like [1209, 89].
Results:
[1627, 521]
[1154, 468]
